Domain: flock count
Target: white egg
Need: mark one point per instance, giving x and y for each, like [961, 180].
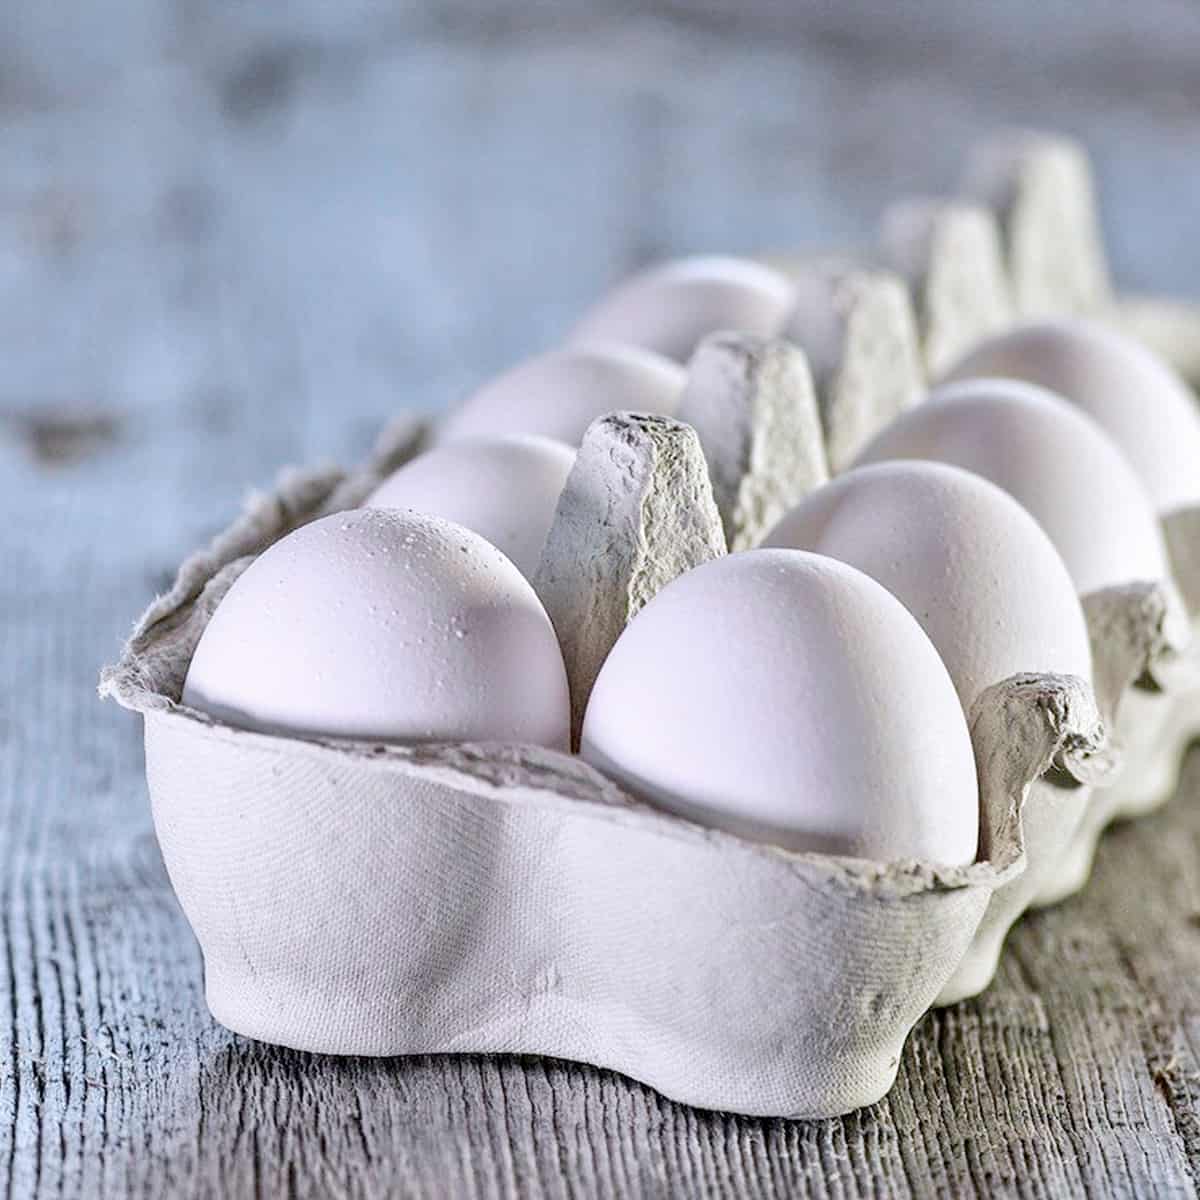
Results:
[505, 489]
[788, 698]
[560, 393]
[972, 566]
[673, 306]
[1053, 460]
[383, 625]
[1135, 397]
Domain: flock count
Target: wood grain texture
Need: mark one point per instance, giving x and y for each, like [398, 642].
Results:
[237, 236]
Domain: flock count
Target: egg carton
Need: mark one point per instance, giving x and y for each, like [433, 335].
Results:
[359, 898]
[356, 898]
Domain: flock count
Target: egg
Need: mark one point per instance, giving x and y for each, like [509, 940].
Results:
[972, 566]
[388, 626]
[1051, 458]
[560, 393]
[1135, 397]
[670, 307]
[789, 698]
[503, 488]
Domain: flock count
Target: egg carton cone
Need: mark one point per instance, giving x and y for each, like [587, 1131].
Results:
[1040, 188]
[949, 253]
[1037, 193]
[357, 898]
[751, 401]
[856, 326]
[637, 510]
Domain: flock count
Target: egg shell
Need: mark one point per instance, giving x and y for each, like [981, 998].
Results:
[972, 566]
[789, 698]
[671, 306]
[1049, 457]
[378, 624]
[560, 393]
[503, 488]
[1136, 398]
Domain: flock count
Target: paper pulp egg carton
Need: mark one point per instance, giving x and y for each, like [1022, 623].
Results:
[358, 898]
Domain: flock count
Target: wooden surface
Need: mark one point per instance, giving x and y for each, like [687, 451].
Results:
[236, 236]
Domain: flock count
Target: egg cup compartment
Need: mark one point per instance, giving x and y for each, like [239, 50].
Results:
[1153, 731]
[1158, 716]
[354, 898]
[1145, 667]
[1132, 629]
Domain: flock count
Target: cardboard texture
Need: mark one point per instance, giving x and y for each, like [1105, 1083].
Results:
[1156, 711]
[636, 511]
[856, 326]
[949, 254]
[1040, 188]
[751, 401]
[1132, 630]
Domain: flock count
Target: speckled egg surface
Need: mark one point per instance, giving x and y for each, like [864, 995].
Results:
[972, 566]
[387, 625]
[503, 488]
[789, 698]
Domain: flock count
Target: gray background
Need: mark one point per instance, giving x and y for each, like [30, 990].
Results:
[206, 204]
[238, 235]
